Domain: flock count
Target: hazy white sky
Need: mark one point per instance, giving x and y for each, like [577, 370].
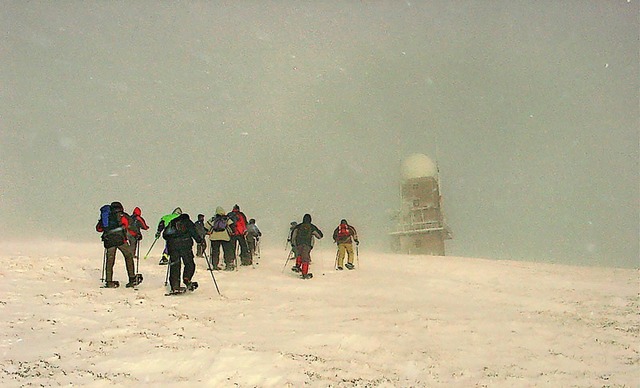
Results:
[286, 107]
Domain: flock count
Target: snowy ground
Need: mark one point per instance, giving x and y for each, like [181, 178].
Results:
[395, 321]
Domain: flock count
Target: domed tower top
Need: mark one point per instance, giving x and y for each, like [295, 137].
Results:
[418, 166]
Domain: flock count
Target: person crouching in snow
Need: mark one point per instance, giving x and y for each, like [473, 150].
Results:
[344, 235]
[302, 237]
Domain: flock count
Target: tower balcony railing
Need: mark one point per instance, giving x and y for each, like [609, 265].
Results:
[418, 227]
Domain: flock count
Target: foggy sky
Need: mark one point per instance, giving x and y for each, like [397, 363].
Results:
[287, 107]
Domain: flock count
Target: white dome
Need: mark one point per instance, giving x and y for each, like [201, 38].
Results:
[418, 166]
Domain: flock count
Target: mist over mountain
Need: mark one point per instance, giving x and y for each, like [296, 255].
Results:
[285, 108]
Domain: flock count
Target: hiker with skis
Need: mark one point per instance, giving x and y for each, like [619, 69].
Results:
[179, 234]
[303, 237]
[219, 231]
[239, 231]
[253, 237]
[202, 232]
[114, 225]
[164, 221]
[344, 235]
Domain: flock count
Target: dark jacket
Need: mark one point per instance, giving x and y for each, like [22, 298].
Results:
[115, 236]
[181, 232]
[202, 231]
[305, 233]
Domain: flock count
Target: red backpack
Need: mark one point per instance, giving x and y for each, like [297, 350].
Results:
[343, 230]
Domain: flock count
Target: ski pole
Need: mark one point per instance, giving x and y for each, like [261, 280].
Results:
[252, 253]
[236, 245]
[258, 250]
[211, 270]
[288, 258]
[166, 279]
[136, 252]
[104, 265]
[335, 265]
[357, 257]
[151, 247]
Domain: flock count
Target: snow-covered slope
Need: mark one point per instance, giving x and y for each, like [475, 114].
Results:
[395, 321]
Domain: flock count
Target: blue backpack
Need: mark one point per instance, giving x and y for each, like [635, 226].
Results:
[104, 216]
[108, 218]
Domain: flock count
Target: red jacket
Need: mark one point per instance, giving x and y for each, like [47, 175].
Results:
[241, 224]
[137, 215]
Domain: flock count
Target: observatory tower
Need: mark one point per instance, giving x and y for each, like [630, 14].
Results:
[421, 228]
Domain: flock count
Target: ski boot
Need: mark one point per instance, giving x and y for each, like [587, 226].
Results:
[134, 281]
[176, 291]
[111, 284]
[349, 266]
[191, 286]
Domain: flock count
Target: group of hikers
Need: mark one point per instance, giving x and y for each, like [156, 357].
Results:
[227, 233]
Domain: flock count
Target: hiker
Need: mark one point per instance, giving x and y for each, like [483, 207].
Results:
[179, 234]
[139, 224]
[114, 225]
[253, 237]
[164, 221]
[238, 232]
[219, 231]
[302, 237]
[344, 235]
[202, 232]
[289, 242]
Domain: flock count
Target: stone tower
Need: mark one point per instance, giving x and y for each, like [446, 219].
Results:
[421, 228]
